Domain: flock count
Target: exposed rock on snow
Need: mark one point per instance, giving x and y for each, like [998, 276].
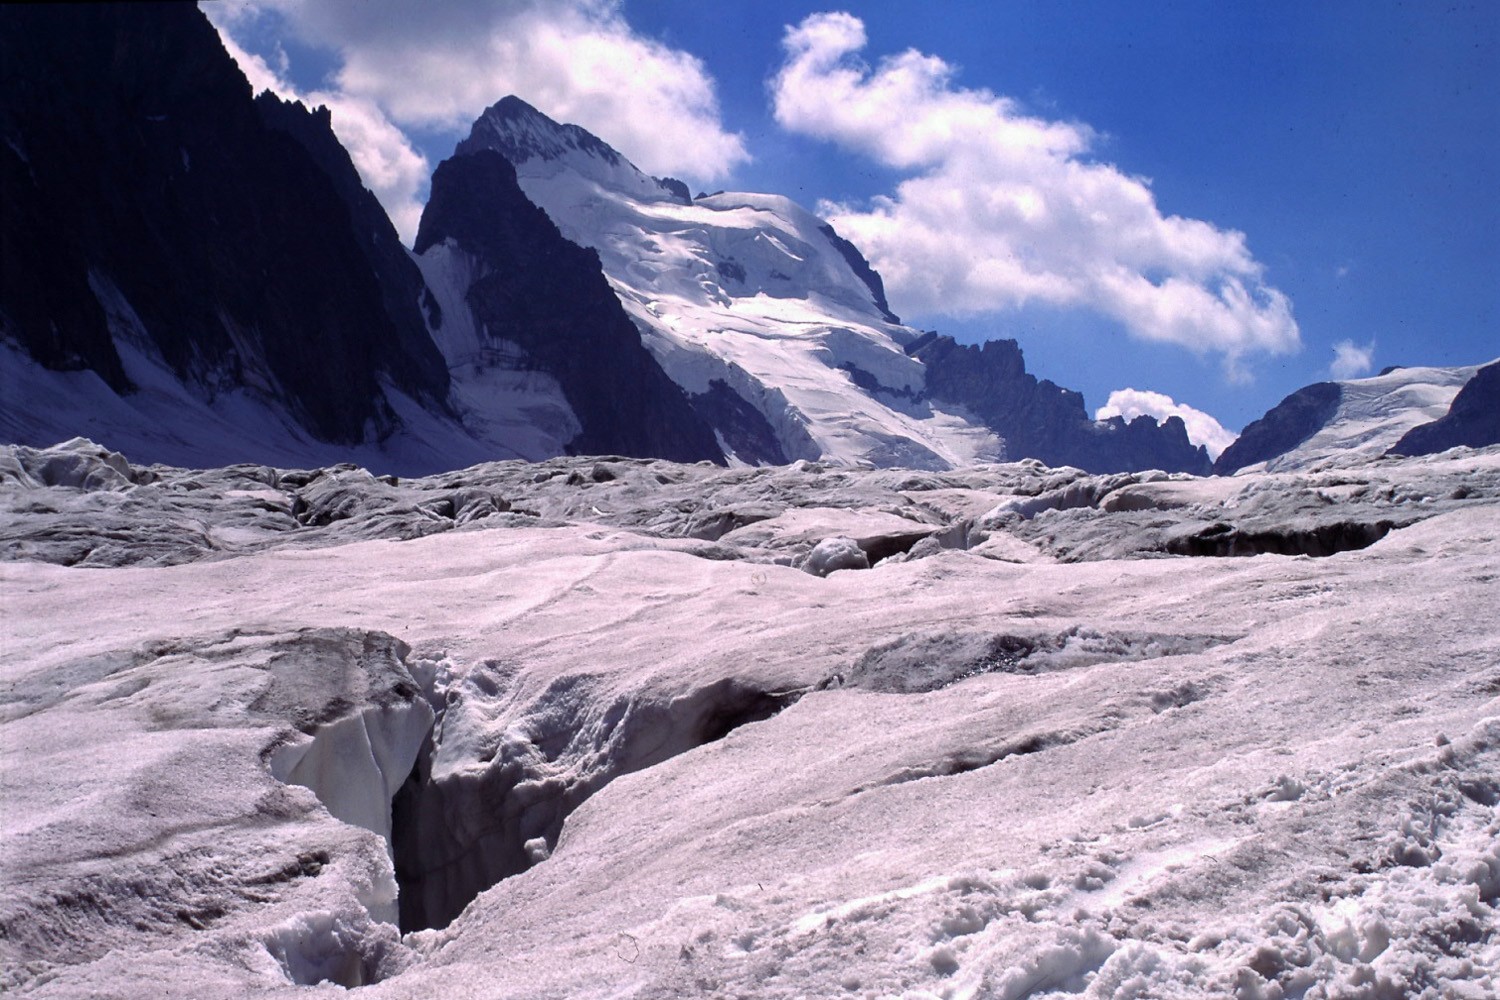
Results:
[1285, 426]
[1034, 754]
[532, 289]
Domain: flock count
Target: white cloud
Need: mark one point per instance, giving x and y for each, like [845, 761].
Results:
[384, 157]
[1003, 208]
[1350, 360]
[1201, 428]
[438, 66]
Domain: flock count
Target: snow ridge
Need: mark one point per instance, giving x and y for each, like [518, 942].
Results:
[523, 135]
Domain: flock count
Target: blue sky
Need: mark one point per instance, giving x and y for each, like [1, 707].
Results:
[1355, 146]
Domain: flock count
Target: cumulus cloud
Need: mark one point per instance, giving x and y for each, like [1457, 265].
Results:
[1003, 208]
[1350, 360]
[1201, 428]
[391, 168]
[436, 67]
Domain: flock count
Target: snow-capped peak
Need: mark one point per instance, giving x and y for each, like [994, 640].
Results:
[538, 146]
[748, 292]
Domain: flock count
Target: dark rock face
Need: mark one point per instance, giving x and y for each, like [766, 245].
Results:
[1038, 419]
[401, 285]
[487, 133]
[744, 428]
[135, 161]
[1472, 420]
[1286, 425]
[862, 270]
[550, 296]
[678, 189]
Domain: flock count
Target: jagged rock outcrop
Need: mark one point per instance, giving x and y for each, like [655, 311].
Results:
[1039, 419]
[1473, 419]
[146, 199]
[536, 289]
[524, 133]
[741, 426]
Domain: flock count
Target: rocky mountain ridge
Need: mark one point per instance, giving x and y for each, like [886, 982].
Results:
[214, 282]
[1414, 410]
[148, 202]
[536, 290]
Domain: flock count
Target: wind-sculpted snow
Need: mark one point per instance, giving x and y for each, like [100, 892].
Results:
[654, 744]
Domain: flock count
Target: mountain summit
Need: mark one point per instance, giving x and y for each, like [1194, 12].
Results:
[780, 331]
[525, 136]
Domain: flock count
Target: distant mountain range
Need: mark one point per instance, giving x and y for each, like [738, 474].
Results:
[197, 276]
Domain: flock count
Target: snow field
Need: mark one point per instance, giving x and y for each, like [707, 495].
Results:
[696, 769]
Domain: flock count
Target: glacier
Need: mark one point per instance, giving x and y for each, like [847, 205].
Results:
[1064, 734]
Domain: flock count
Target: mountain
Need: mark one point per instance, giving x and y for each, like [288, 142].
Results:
[517, 288]
[1473, 419]
[159, 235]
[780, 330]
[202, 277]
[1044, 421]
[1323, 422]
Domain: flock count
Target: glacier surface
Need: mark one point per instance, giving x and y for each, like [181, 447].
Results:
[613, 727]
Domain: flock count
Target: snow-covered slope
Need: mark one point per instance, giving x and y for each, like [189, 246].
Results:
[604, 728]
[1473, 421]
[746, 289]
[165, 420]
[1333, 421]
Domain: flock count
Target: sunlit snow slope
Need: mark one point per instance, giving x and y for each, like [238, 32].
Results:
[745, 289]
[1326, 423]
